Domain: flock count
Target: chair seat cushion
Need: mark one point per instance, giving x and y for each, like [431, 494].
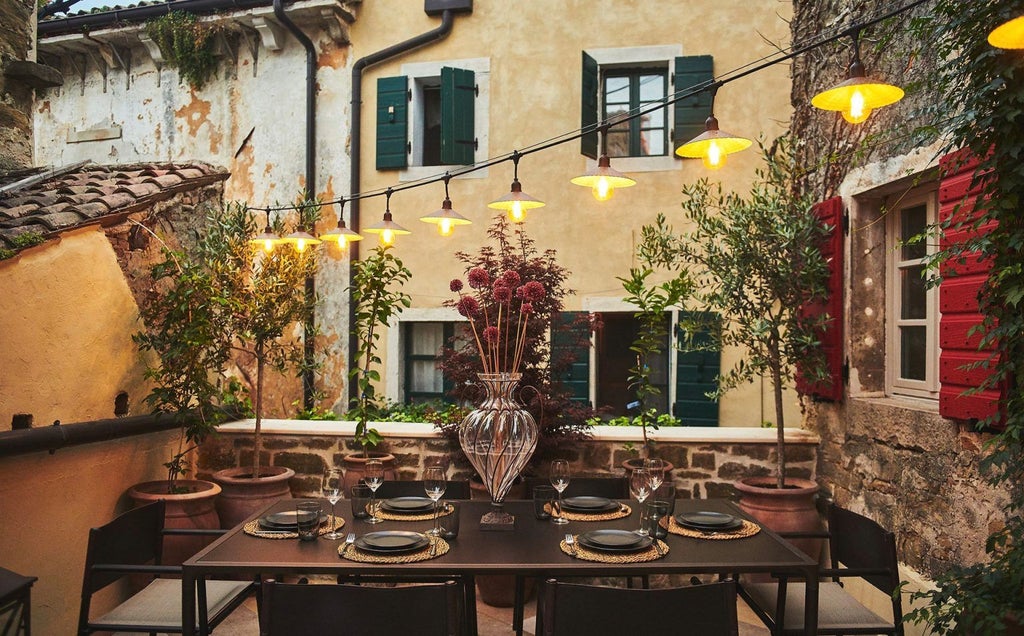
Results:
[159, 604]
[837, 610]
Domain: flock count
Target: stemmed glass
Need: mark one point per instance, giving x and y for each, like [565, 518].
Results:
[657, 469]
[331, 488]
[434, 483]
[560, 481]
[640, 488]
[373, 475]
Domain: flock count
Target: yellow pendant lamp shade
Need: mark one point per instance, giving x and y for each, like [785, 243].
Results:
[387, 230]
[446, 218]
[713, 145]
[267, 240]
[300, 240]
[857, 96]
[516, 203]
[603, 179]
[340, 235]
[1009, 35]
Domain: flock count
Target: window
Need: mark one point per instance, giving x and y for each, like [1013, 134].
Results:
[912, 331]
[423, 381]
[620, 80]
[434, 114]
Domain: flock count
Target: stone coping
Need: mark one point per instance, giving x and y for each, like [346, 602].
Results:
[674, 434]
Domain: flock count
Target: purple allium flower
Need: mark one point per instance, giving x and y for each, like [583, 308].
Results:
[533, 291]
[468, 307]
[455, 285]
[491, 334]
[478, 278]
[511, 278]
[527, 308]
[502, 294]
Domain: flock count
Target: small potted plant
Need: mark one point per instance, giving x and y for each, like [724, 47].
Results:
[377, 295]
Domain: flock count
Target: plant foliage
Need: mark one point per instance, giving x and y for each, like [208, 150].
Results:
[186, 43]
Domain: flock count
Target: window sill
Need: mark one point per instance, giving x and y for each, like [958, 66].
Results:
[921, 405]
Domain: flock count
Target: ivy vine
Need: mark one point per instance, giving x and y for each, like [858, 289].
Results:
[186, 43]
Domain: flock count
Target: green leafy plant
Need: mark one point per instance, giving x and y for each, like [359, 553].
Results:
[761, 262]
[377, 294]
[187, 43]
[652, 417]
[433, 412]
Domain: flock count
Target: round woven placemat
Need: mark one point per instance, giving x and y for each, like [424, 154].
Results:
[352, 553]
[640, 556]
[401, 516]
[623, 511]
[252, 528]
[749, 529]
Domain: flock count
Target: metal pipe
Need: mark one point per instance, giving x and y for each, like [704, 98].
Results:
[442, 30]
[53, 438]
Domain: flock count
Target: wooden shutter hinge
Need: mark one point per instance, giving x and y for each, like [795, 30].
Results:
[408, 147]
[846, 223]
[846, 371]
[476, 90]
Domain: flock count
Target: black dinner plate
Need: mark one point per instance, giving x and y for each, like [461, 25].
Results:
[283, 520]
[589, 504]
[408, 504]
[707, 520]
[615, 540]
[391, 541]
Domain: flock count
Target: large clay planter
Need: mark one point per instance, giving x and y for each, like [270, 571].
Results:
[791, 509]
[243, 496]
[193, 508]
[355, 468]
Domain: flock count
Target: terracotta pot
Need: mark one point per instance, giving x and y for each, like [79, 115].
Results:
[243, 496]
[191, 509]
[791, 509]
[355, 468]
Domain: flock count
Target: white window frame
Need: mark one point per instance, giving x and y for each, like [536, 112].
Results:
[422, 74]
[895, 385]
[394, 371]
[637, 57]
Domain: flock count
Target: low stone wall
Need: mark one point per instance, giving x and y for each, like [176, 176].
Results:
[707, 460]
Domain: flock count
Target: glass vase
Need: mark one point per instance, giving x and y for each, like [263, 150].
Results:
[499, 438]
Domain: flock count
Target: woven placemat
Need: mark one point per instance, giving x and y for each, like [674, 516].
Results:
[252, 528]
[402, 516]
[438, 547]
[623, 511]
[640, 556]
[749, 529]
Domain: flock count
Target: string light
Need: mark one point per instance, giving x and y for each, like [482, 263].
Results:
[858, 95]
[267, 239]
[387, 229]
[300, 240]
[1008, 35]
[713, 145]
[603, 179]
[341, 235]
[446, 218]
[516, 202]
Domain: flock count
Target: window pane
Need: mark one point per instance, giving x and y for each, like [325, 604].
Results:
[652, 87]
[914, 296]
[616, 90]
[424, 377]
[912, 222]
[652, 142]
[427, 338]
[913, 347]
[431, 125]
[655, 119]
[618, 143]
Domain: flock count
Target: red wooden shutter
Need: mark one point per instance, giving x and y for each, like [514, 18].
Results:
[830, 212]
[962, 281]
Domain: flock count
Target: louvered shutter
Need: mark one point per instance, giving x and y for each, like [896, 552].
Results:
[458, 98]
[570, 337]
[698, 365]
[392, 122]
[589, 106]
[692, 112]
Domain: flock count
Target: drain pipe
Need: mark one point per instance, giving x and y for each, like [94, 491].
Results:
[308, 344]
[442, 31]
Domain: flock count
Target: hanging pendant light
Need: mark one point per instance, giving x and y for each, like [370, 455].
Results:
[603, 179]
[858, 95]
[1008, 35]
[446, 218]
[341, 234]
[300, 240]
[516, 202]
[713, 145]
[267, 239]
[387, 229]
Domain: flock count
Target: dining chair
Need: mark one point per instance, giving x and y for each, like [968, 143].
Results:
[130, 546]
[455, 489]
[565, 609]
[320, 610]
[858, 548]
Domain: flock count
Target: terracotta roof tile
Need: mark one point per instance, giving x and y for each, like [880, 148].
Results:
[118, 200]
[189, 173]
[59, 220]
[165, 180]
[93, 209]
[140, 189]
[18, 211]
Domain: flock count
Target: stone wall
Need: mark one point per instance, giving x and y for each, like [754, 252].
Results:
[706, 462]
[15, 97]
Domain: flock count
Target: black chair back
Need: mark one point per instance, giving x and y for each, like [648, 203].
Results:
[610, 487]
[860, 543]
[320, 610]
[701, 610]
[133, 538]
[454, 490]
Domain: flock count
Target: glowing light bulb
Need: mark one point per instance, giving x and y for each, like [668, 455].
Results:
[857, 111]
[268, 245]
[387, 237]
[516, 213]
[714, 158]
[445, 227]
[300, 245]
[602, 190]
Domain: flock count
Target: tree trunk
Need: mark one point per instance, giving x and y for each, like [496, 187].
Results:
[257, 449]
[780, 425]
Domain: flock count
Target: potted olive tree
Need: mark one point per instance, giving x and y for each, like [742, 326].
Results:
[761, 263]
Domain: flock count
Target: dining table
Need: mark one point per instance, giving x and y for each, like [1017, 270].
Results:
[533, 548]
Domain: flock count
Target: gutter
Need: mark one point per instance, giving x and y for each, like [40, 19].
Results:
[439, 33]
[91, 21]
[58, 436]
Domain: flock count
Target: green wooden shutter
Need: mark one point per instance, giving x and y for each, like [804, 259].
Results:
[697, 369]
[571, 338]
[458, 96]
[392, 122]
[692, 112]
[589, 106]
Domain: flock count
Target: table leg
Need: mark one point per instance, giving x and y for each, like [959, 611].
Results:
[811, 603]
[188, 603]
[470, 592]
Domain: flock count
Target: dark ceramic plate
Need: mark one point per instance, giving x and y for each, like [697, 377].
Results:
[391, 541]
[283, 520]
[589, 504]
[408, 504]
[615, 540]
[706, 520]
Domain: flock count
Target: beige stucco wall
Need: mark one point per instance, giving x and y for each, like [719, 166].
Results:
[534, 52]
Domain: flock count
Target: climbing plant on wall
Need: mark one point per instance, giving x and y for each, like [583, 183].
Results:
[187, 43]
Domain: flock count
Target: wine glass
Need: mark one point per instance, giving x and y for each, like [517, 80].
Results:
[434, 483]
[560, 481]
[331, 488]
[373, 475]
[657, 469]
[640, 488]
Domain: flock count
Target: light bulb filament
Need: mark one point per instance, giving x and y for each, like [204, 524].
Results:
[387, 237]
[857, 111]
[445, 227]
[714, 158]
[268, 245]
[516, 212]
[602, 190]
[300, 245]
